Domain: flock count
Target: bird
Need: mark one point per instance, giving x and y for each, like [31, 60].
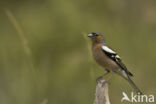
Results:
[109, 59]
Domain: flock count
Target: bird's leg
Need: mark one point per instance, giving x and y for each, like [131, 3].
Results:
[107, 72]
[107, 80]
[101, 77]
[110, 76]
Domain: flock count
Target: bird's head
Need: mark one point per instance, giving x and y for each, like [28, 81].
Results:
[97, 37]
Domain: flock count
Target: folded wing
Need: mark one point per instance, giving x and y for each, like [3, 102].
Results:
[113, 55]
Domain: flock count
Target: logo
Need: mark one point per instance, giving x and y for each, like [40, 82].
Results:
[137, 98]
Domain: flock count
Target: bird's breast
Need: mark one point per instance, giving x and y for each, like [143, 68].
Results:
[102, 59]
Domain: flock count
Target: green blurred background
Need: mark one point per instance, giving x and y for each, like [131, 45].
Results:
[45, 55]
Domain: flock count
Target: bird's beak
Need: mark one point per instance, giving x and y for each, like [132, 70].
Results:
[90, 35]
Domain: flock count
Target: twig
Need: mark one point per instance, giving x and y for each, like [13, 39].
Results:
[19, 31]
[23, 40]
[101, 95]
[45, 101]
[22, 37]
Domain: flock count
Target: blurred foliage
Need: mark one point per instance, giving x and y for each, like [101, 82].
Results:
[59, 68]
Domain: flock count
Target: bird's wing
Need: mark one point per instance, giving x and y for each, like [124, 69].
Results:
[113, 55]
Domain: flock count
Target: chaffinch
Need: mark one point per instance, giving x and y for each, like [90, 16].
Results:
[109, 59]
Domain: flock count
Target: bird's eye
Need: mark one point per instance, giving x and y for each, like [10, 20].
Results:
[94, 34]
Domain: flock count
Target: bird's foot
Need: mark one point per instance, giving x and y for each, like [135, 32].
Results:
[99, 79]
[102, 80]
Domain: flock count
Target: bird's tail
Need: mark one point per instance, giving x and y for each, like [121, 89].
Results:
[138, 91]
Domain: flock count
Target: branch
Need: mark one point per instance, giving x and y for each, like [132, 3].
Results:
[101, 95]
